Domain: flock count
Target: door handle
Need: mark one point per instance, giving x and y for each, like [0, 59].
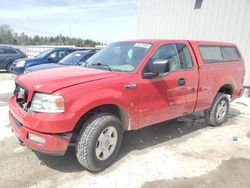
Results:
[181, 81]
[130, 86]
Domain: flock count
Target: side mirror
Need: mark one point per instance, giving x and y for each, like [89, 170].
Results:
[51, 59]
[157, 67]
[82, 63]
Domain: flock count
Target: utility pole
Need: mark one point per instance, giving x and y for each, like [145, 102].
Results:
[60, 38]
[70, 31]
[69, 34]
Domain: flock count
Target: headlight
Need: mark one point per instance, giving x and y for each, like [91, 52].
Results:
[20, 64]
[47, 103]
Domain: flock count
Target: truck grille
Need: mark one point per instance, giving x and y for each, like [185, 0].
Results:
[21, 95]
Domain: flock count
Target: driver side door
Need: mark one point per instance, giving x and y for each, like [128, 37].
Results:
[163, 97]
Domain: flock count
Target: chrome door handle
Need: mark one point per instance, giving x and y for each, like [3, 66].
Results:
[129, 86]
[181, 81]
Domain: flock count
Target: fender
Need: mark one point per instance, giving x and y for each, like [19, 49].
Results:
[225, 80]
[125, 101]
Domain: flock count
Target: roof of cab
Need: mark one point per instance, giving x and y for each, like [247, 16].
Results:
[179, 40]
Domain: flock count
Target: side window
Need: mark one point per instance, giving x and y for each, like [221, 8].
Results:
[168, 52]
[53, 56]
[1, 51]
[68, 52]
[213, 54]
[58, 55]
[230, 53]
[10, 51]
[62, 54]
[184, 56]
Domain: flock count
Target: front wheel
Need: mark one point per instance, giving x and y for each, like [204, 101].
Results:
[99, 141]
[8, 67]
[217, 114]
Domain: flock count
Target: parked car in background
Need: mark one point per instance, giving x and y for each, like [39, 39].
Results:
[49, 56]
[74, 58]
[8, 55]
[126, 86]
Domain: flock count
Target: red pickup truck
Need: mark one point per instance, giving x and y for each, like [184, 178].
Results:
[126, 86]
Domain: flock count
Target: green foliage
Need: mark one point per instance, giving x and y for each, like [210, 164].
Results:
[8, 36]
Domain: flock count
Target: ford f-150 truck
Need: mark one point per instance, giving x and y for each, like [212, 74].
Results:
[126, 86]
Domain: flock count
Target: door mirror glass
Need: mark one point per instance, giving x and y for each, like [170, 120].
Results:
[50, 59]
[158, 66]
[165, 59]
[82, 63]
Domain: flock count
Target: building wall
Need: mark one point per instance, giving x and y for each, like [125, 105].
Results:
[218, 20]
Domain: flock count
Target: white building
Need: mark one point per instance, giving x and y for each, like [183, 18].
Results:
[217, 20]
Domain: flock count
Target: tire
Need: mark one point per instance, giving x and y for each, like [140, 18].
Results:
[8, 67]
[99, 141]
[21, 143]
[217, 114]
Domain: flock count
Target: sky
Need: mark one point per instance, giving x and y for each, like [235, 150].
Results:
[102, 20]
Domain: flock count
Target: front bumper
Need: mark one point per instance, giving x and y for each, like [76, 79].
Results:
[17, 70]
[53, 123]
[52, 130]
[55, 144]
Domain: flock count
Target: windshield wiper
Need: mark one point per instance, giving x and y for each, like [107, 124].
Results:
[103, 65]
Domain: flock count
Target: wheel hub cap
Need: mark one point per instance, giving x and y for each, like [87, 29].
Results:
[221, 110]
[106, 143]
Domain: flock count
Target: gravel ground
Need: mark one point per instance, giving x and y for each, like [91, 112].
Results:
[184, 152]
[5, 76]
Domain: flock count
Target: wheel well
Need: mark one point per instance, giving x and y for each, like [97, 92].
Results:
[8, 63]
[109, 108]
[226, 89]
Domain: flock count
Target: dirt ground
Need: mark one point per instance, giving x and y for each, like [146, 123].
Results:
[184, 152]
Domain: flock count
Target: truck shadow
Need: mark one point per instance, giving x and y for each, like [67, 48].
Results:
[163, 132]
[67, 163]
[152, 136]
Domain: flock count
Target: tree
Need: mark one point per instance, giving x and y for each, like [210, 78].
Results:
[8, 36]
[23, 39]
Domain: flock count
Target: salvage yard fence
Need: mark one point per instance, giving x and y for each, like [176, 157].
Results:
[32, 51]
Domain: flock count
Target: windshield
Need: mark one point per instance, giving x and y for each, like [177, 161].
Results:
[73, 58]
[43, 54]
[121, 56]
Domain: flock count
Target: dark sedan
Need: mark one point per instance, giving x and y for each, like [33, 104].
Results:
[75, 58]
[8, 55]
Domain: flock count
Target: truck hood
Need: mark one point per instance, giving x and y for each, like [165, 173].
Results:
[51, 80]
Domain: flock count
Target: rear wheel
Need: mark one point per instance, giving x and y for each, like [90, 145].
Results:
[217, 114]
[99, 141]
